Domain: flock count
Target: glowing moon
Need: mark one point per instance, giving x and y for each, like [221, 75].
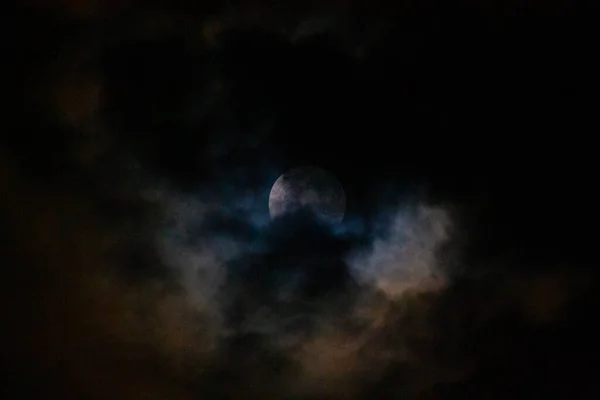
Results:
[308, 188]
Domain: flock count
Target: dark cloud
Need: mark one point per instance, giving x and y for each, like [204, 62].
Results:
[138, 256]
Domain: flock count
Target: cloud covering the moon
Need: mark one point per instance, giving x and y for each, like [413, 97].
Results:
[397, 264]
[308, 188]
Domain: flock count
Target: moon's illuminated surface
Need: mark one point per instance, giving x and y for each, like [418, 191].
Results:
[309, 188]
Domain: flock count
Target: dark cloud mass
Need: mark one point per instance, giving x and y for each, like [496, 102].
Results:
[140, 143]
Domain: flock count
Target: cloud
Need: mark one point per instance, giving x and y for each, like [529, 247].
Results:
[385, 319]
[71, 319]
[328, 309]
[405, 255]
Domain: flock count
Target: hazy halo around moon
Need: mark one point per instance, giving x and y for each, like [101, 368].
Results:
[311, 188]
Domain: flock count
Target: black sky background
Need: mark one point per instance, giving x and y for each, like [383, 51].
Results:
[486, 109]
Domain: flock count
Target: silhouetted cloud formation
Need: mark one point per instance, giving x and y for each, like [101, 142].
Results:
[139, 259]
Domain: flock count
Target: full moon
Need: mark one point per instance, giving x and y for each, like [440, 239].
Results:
[310, 188]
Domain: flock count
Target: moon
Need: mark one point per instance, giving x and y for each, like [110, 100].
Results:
[308, 188]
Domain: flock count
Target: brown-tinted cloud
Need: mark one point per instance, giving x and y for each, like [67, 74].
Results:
[73, 325]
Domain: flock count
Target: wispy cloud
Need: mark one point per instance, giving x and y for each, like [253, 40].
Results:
[404, 255]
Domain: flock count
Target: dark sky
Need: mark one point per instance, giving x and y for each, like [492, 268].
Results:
[139, 145]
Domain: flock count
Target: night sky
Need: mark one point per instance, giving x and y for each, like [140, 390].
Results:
[140, 142]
